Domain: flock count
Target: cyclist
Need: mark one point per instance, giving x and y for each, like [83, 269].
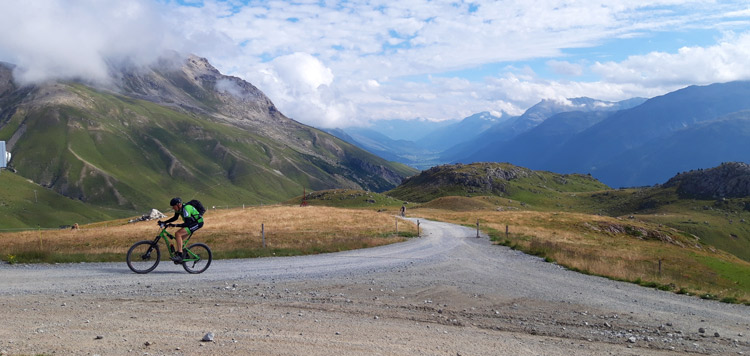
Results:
[191, 222]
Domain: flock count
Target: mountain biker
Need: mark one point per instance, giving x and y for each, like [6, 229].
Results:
[191, 222]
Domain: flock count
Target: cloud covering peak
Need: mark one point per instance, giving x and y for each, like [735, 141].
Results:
[340, 63]
[76, 39]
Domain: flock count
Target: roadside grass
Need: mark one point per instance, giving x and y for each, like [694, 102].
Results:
[621, 249]
[232, 233]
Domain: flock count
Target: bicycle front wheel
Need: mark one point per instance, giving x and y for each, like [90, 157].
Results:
[143, 256]
[198, 258]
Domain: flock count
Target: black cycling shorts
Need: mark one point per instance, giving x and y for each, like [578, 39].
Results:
[193, 228]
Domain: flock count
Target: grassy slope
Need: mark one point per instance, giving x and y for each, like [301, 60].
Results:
[724, 224]
[349, 198]
[112, 154]
[25, 204]
[537, 187]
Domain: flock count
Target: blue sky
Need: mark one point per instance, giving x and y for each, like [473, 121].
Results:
[343, 63]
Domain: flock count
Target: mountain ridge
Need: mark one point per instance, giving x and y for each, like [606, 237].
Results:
[199, 130]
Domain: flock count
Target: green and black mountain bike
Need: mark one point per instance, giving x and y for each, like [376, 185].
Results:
[145, 255]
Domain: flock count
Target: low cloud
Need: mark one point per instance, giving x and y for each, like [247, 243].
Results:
[229, 86]
[81, 39]
[300, 85]
[345, 63]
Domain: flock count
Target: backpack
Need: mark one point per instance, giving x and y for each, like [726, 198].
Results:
[198, 206]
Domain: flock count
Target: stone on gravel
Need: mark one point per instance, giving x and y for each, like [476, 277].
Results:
[209, 337]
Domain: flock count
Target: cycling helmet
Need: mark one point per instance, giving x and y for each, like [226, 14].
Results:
[175, 201]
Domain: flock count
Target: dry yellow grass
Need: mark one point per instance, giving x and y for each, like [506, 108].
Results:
[296, 229]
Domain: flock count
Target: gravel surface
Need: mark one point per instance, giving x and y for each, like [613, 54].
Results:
[446, 293]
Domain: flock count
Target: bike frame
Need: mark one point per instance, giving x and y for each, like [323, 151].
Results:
[166, 236]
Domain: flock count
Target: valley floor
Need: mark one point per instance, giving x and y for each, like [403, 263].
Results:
[446, 293]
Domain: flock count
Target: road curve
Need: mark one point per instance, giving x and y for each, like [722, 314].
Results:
[447, 277]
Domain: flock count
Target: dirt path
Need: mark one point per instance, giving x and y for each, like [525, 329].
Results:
[447, 293]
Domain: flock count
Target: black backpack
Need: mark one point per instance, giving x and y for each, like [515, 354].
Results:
[198, 206]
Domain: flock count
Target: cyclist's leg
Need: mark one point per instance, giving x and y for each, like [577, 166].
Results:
[180, 236]
[190, 230]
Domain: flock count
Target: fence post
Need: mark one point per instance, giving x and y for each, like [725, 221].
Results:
[396, 226]
[477, 228]
[660, 267]
[263, 234]
[417, 228]
[506, 232]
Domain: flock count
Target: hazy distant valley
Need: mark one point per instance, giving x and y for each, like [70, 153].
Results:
[636, 142]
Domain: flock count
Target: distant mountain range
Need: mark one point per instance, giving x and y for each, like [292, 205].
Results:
[422, 143]
[177, 128]
[636, 142]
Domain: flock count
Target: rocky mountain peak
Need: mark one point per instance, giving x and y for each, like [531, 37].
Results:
[6, 78]
[728, 180]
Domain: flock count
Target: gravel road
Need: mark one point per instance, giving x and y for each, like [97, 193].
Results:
[446, 293]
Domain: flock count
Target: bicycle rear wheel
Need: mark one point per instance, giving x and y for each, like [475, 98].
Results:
[198, 258]
[143, 256]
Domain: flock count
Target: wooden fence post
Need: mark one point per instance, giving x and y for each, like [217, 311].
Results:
[660, 267]
[417, 228]
[477, 228]
[263, 234]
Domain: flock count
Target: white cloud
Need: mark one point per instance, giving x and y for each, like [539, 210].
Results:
[725, 61]
[343, 63]
[62, 39]
[300, 86]
[229, 86]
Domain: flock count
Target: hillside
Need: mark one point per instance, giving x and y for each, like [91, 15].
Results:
[625, 149]
[729, 180]
[710, 206]
[24, 204]
[534, 147]
[489, 146]
[179, 128]
[499, 179]
[700, 146]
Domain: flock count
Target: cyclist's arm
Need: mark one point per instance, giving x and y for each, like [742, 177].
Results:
[176, 215]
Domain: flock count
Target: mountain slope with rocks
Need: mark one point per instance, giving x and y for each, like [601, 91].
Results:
[729, 180]
[179, 127]
[482, 179]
